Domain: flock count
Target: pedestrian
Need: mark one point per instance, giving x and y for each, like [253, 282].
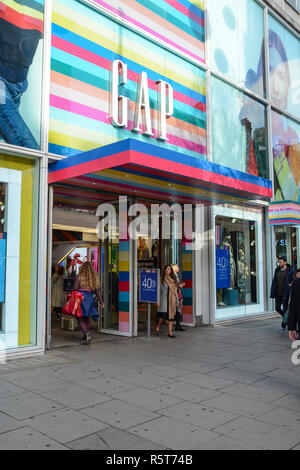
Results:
[88, 284]
[57, 289]
[176, 270]
[294, 308]
[168, 300]
[281, 286]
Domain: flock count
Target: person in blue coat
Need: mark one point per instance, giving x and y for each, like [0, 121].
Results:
[281, 287]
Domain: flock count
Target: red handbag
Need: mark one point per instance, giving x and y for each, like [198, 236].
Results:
[73, 305]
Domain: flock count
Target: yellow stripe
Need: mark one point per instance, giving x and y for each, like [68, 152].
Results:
[91, 33]
[124, 266]
[26, 166]
[24, 10]
[123, 256]
[78, 143]
[25, 259]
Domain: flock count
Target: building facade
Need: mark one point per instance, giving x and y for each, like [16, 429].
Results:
[139, 103]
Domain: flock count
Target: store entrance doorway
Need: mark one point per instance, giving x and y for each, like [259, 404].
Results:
[156, 252]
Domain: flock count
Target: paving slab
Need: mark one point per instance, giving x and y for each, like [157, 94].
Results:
[235, 375]
[27, 438]
[165, 371]
[41, 383]
[143, 379]
[284, 418]
[119, 414]
[226, 443]
[239, 405]
[8, 424]
[291, 402]
[27, 405]
[114, 439]
[8, 390]
[250, 367]
[253, 392]
[197, 366]
[174, 434]
[271, 383]
[198, 414]
[76, 397]
[260, 434]
[189, 392]
[65, 425]
[205, 381]
[150, 400]
[106, 385]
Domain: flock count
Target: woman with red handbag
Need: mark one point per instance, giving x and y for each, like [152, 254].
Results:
[87, 283]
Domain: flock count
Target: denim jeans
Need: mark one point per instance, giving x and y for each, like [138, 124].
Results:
[13, 129]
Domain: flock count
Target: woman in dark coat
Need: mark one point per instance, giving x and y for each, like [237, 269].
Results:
[88, 284]
[294, 313]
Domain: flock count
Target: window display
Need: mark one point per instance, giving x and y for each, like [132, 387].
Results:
[239, 137]
[236, 255]
[21, 32]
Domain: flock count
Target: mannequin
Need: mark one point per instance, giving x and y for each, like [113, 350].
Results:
[227, 242]
[243, 275]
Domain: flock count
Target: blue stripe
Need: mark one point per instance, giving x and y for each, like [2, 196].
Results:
[123, 276]
[123, 296]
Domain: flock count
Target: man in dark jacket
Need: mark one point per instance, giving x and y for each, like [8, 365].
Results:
[294, 313]
[281, 287]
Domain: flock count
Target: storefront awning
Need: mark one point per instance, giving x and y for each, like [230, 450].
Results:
[284, 213]
[132, 167]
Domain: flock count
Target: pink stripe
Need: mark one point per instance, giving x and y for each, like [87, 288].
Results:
[124, 327]
[93, 113]
[95, 59]
[193, 16]
[145, 28]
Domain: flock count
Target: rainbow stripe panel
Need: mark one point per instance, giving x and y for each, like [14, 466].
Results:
[178, 23]
[187, 278]
[124, 305]
[285, 213]
[84, 45]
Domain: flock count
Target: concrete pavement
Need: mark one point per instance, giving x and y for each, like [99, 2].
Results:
[229, 387]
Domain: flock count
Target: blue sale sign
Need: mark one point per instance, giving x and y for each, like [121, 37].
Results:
[149, 286]
[2, 266]
[222, 267]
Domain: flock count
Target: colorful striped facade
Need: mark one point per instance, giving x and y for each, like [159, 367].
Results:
[84, 45]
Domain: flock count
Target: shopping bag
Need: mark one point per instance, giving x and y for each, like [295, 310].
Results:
[73, 305]
[286, 317]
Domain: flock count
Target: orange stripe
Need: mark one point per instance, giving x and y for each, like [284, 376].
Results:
[19, 20]
[124, 317]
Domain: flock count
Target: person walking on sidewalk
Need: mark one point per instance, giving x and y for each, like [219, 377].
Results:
[281, 286]
[168, 300]
[88, 284]
[176, 270]
[294, 308]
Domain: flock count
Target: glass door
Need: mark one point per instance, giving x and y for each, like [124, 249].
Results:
[115, 281]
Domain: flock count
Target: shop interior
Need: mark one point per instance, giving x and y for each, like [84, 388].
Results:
[74, 241]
